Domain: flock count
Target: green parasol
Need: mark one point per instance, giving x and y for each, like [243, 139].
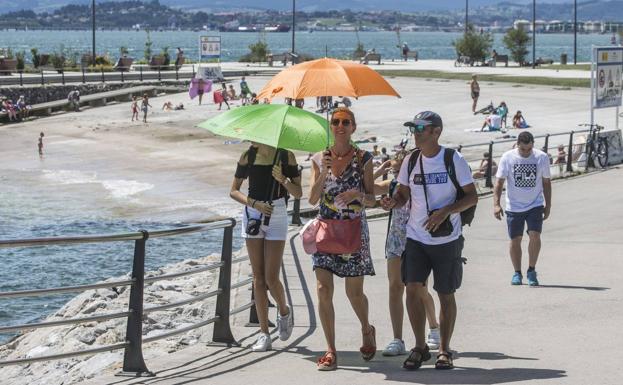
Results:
[276, 125]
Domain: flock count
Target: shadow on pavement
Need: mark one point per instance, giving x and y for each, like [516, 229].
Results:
[391, 367]
[592, 288]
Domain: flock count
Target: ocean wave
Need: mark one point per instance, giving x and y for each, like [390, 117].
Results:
[118, 188]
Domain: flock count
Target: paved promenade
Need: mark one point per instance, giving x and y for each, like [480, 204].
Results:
[566, 331]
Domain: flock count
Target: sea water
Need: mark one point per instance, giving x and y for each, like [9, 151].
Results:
[46, 203]
[430, 45]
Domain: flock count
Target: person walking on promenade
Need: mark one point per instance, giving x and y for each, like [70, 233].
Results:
[528, 201]
[475, 91]
[134, 108]
[394, 247]
[40, 144]
[434, 240]
[405, 51]
[145, 107]
[273, 175]
[343, 185]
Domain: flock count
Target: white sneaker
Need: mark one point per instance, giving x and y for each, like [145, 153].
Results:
[395, 348]
[263, 343]
[285, 324]
[433, 338]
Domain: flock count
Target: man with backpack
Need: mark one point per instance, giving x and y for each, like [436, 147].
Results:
[438, 183]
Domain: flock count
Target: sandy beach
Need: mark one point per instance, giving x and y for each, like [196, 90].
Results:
[170, 169]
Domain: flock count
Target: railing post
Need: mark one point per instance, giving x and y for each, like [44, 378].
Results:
[296, 213]
[177, 76]
[84, 80]
[63, 76]
[222, 330]
[42, 77]
[460, 148]
[103, 79]
[193, 70]
[489, 181]
[122, 80]
[546, 145]
[133, 361]
[159, 76]
[21, 80]
[570, 153]
[141, 73]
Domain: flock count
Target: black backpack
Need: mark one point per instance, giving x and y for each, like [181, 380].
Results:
[467, 216]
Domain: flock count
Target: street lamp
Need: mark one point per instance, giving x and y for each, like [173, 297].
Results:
[466, 19]
[293, 22]
[533, 33]
[93, 29]
[575, 31]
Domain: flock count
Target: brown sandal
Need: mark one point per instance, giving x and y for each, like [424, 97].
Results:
[416, 358]
[446, 363]
[328, 361]
[368, 351]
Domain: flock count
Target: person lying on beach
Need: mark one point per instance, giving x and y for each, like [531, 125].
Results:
[179, 107]
[167, 106]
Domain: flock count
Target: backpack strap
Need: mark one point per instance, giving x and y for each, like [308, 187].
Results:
[415, 154]
[448, 160]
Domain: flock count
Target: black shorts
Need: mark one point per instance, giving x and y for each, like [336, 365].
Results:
[444, 260]
[475, 95]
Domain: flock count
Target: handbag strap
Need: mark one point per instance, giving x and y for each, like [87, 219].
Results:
[421, 158]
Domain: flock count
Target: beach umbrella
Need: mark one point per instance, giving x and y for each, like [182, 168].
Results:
[327, 77]
[276, 125]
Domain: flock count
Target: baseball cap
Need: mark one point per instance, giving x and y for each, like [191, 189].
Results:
[425, 119]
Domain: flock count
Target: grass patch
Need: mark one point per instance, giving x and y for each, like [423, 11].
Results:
[577, 67]
[537, 80]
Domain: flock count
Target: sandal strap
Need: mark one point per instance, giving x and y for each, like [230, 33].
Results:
[447, 355]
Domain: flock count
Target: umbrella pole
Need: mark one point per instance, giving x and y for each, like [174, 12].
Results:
[272, 189]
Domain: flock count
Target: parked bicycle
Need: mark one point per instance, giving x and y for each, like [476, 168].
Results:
[463, 61]
[596, 147]
[487, 110]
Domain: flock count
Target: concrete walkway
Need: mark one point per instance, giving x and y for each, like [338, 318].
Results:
[566, 331]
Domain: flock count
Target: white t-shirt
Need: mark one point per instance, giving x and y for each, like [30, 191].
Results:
[524, 179]
[440, 190]
[495, 121]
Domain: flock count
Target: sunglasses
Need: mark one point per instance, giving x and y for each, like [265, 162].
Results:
[336, 122]
[417, 128]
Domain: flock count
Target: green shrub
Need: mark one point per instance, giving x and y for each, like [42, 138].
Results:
[20, 60]
[258, 53]
[36, 59]
[103, 61]
[165, 54]
[148, 43]
[359, 50]
[57, 60]
[516, 41]
[473, 44]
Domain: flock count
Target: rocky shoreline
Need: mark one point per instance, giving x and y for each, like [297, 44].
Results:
[90, 335]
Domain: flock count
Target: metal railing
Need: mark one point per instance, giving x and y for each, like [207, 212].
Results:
[133, 361]
[83, 75]
[573, 151]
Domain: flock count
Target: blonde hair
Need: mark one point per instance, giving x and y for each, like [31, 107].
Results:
[345, 110]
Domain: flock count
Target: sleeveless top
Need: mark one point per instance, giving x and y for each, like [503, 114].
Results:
[261, 180]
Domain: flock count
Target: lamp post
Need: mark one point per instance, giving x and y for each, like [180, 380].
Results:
[293, 22]
[466, 13]
[533, 33]
[575, 31]
[93, 29]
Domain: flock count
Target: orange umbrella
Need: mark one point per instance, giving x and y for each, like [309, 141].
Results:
[327, 77]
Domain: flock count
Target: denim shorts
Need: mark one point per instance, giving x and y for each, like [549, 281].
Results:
[515, 221]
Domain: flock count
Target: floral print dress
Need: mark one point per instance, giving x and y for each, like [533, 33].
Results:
[345, 265]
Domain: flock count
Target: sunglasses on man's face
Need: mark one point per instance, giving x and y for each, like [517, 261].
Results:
[336, 122]
[417, 128]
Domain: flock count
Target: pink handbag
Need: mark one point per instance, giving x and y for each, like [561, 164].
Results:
[308, 235]
[339, 236]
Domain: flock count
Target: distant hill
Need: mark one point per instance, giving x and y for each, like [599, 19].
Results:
[304, 5]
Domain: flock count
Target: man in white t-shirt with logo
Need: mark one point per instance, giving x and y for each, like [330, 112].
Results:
[528, 201]
[434, 240]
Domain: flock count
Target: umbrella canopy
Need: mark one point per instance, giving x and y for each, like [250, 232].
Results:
[276, 125]
[327, 77]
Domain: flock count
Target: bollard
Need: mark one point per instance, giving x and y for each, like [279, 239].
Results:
[222, 331]
[177, 77]
[63, 77]
[489, 181]
[133, 361]
[193, 70]
[103, 79]
[546, 145]
[159, 77]
[21, 80]
[122, 80]
[141, 72]
[84, 80]
[42, 77]
[570, 153]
